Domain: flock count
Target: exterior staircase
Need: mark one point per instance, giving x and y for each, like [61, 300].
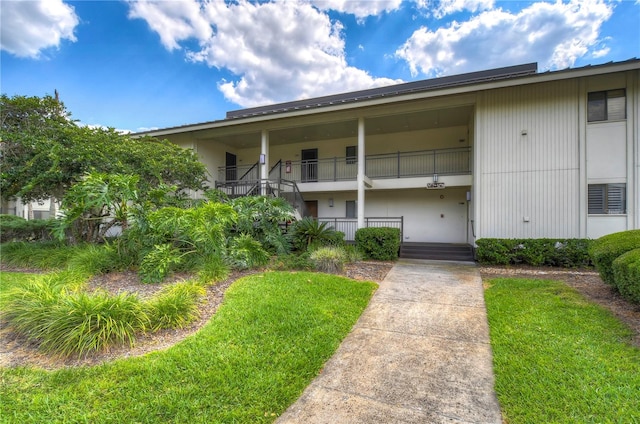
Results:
[437, 251]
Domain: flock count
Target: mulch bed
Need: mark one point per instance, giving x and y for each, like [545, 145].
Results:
[16, 351]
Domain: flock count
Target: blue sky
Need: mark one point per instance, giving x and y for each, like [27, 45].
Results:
[136, 65]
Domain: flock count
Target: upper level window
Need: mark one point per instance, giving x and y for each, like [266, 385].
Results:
[352, 154]
[607, 199]
[607, 105]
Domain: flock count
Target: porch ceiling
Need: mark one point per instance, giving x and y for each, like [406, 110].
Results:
[382, 124]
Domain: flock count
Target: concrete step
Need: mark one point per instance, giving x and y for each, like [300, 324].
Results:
[437, 251]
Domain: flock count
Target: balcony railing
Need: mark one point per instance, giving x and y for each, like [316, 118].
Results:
[391, 165]
[349, 225]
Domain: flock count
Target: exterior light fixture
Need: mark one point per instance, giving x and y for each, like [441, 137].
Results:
[263, 158]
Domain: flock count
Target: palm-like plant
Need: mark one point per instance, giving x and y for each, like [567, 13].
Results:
[308, 231]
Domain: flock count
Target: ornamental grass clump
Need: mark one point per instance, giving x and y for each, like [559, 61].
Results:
[53, 312]
[328, 259]
[175, 306]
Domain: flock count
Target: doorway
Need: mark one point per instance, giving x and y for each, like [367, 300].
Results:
[312, 207]
[231, 171]
[309, 165]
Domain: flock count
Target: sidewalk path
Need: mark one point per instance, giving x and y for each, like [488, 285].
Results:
[419, 353]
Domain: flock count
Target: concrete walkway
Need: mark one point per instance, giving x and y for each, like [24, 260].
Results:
[420, 353]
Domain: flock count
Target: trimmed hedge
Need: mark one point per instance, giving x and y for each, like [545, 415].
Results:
[380, 243]
[537, 252]
[15, 228]
[626, 274]
[607, 248]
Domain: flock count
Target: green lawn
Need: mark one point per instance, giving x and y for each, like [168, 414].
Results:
[559, 358]
[265, 344]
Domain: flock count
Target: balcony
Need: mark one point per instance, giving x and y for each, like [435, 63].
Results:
[422, 163]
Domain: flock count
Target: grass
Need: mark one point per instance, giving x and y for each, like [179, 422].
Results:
[559, 358]
[267, 341]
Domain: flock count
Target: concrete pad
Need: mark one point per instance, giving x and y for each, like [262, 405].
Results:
[420, 353]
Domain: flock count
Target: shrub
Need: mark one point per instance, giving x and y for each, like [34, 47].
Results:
[626, 275]
[96, 259]
[328, 259]
[293, 261]
[380, 243]
[308, 231]
[41, 255]
[51, 311]
[352, 254]
[536, 252]
[89, 322]
[606, 249]
[175, 306]
[157, 264]
[245, 252]
[212, 270]
[15, 228]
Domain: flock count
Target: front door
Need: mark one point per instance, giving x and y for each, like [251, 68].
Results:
[312, 207]
[309, 165]
[231, 173]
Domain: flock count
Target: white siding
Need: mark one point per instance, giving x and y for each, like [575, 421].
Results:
[527, 161]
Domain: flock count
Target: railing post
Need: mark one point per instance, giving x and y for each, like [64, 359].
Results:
[434, 161]
[398, 163]
[335, 168]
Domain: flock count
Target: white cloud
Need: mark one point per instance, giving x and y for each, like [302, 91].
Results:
[553, 34]
[30, 26]
[279, 51]
[442, 8]
[359, 8]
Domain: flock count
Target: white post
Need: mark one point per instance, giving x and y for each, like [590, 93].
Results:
[264, 157]
[361, 172]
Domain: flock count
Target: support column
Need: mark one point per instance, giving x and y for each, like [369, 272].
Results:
[361, 175]
[264, 167]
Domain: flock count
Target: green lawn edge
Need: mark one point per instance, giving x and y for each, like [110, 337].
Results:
[268, 340]
[559, 358]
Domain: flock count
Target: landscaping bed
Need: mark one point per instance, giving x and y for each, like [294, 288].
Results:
[16, 351]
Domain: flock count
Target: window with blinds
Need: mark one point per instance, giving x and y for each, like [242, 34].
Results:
[607, 105]
[607, 199]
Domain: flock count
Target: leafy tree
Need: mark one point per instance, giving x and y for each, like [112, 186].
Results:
[44, 152]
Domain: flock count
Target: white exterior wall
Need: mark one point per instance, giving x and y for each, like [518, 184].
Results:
[526, 162]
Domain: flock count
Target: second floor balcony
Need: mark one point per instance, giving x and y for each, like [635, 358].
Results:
[423, 163]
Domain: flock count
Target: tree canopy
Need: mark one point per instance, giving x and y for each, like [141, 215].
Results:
[43, 152]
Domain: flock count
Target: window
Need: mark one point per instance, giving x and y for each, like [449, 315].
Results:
[352, 154]
[607, 199]
[607, 105]
[352, 209]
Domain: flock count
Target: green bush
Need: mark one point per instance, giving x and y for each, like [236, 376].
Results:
[293, 261]
[15, 228]
[626, 275]
[175, 306]
[96, 259]
[212, 270]
[245, 252]
[328, 259]
[535, 252]
[606, 249]
[379, 243]
[53, 312]
[158, 263]
[309, 232]
[41, 255]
